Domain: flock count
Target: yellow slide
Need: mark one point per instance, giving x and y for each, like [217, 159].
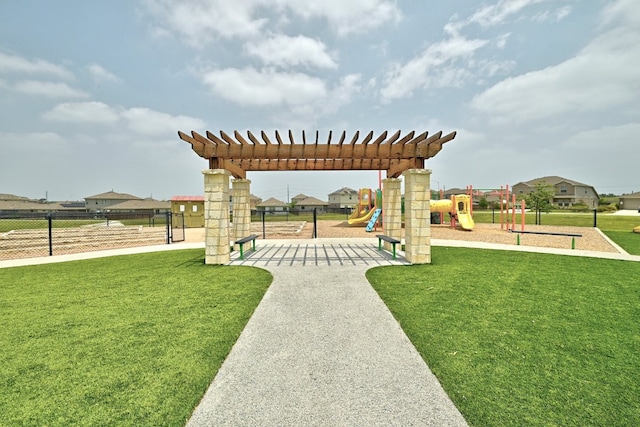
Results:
[465, 220]
[356, 219]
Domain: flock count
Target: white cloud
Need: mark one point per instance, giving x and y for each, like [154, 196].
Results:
[83, 112]
[346, 17]
[49, 89]
[149, 122]
[496, 14]
[437, 66]
[20, 65]
[291, 51]
[603, 75]
[34, 138]
[201, 21]
[619, 140]
[553, 15]
[249, 86]
[100, 74]
[140, 121]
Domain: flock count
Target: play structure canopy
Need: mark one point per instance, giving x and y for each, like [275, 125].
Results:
[394, 154]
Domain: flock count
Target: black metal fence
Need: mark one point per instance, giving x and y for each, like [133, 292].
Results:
[56, 233]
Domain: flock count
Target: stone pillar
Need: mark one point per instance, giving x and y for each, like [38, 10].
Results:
[417, 215]
[216, 216]
[241, 209]
[391, 209]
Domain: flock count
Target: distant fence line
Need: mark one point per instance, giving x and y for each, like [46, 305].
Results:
[28, 235]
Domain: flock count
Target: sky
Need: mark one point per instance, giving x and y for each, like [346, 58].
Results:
[92, 94]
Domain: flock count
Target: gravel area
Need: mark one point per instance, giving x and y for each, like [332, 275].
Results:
[590, 240]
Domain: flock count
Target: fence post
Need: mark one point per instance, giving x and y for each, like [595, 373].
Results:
[168, 221]
[595, 218]
[263, 226]
[50, 221]
[315, 223]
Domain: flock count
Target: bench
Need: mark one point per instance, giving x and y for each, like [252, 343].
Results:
[387, 239]
[241, 242]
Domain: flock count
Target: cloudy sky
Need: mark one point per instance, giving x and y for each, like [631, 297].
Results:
[92, 94]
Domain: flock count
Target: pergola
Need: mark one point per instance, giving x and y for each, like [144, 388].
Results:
[395, 153]
[239, 154]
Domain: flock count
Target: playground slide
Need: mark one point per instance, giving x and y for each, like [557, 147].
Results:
[355, 219]
[465, 220]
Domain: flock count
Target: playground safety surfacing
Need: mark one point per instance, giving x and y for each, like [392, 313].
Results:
[336, 252]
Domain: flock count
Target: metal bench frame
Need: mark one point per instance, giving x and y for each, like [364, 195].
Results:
[388, 239]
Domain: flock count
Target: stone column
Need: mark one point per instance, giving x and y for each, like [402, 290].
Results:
[391, 209]
[241, 209]
[417, 215]
[216, 216]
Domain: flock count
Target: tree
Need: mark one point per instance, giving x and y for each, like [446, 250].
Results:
[539, 200]
[483, 203]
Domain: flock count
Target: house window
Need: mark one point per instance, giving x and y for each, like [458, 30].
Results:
[181, 208]
[195, 208]
[563, 188]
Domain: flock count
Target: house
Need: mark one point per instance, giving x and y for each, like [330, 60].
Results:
[103, 201]
[567, 192]
[630, 201]
[272, 205]
[142, 206]
[192, 207]
[343, 198]
[309, 204]
[253, 201]
[17, 205]
[446, 194]
[296, 199]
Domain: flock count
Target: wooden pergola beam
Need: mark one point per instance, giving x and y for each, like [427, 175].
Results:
[394, 153]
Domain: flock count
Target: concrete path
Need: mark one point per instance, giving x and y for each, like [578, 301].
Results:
[323, 349]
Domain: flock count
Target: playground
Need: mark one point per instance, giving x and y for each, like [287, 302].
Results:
[591, 240]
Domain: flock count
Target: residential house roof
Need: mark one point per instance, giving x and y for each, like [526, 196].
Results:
[300, 197]
[143, 204]
[28, 205]
[13, 197]
[551, 180]
[631, 196]
[112, 195]
[344, 190]
[272, 202]
[312, 201]
[187, 199]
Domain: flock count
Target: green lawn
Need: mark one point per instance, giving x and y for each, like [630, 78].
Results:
[627, 240]
[524, 339]
[121, 341]
[604, 221]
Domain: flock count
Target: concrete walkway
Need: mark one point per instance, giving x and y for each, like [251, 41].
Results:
[323, 349]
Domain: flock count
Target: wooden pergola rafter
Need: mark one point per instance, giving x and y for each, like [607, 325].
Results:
[392, 153]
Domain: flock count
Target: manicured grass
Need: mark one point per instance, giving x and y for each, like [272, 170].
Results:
[524, 339]
[122, 341]
[627, 240]
[604, 221]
